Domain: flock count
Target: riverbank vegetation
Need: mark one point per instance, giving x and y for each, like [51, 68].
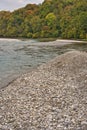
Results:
[51, 19]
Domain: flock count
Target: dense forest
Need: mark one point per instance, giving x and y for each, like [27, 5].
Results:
[52, 18]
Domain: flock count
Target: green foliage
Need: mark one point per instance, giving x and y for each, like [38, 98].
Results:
[52, 18]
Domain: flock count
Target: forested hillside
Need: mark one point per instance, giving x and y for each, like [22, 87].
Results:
[52, 18]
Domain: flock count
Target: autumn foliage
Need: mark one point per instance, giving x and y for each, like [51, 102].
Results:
[52, 18]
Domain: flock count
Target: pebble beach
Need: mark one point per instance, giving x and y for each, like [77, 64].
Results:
[51, 97]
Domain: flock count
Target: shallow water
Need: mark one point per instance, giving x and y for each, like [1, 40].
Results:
[20, 56]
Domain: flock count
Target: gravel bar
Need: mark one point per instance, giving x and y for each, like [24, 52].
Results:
[51, 97]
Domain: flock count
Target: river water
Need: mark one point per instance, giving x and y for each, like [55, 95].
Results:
[20, 56]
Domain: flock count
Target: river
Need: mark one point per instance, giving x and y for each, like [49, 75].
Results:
[18, 56]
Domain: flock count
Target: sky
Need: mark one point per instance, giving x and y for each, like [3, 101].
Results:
[10, 5]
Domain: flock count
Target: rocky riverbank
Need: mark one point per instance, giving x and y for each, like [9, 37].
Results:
[51, 97]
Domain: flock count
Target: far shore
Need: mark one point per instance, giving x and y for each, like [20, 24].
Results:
[57, 42]
[46, 42]
[44, 39]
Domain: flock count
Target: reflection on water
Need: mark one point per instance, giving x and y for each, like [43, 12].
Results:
[18, 56]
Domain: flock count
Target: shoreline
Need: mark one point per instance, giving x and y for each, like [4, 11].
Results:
[58, 43]
[55, 39]
[53, 96]
[68, 40]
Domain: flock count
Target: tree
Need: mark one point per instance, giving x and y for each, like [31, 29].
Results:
[50, 19]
